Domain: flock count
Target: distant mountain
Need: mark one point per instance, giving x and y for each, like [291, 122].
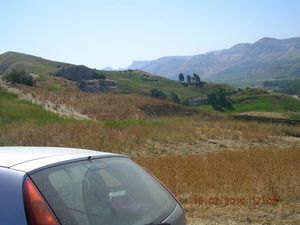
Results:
[108, 68]
[161, 66]
[266, 59]
[138, 64]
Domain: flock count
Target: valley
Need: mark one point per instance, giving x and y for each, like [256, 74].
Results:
[242, 171]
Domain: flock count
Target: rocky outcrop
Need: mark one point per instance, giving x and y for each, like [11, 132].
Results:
[78, 73]
[89, 80]
[98, 86]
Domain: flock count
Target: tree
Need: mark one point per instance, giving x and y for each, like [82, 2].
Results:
[188, 79]
[197, 80]
[193, 80]
[159, 94]
[181, 78]
[174, 97]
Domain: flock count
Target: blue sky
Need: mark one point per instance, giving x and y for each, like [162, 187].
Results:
[100, 33]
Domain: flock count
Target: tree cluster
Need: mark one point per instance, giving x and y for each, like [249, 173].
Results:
[20, 77]
[191, 80]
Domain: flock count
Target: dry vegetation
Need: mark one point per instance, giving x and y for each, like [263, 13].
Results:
[103, 107]
[180, 135]
[245, 186]
[249, 172]
[200, 157]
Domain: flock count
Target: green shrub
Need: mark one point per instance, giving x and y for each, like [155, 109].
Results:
[174, 97]
[219, 99]
[159, 94]
[20, 77]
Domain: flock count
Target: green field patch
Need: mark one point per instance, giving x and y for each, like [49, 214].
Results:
[15, 110]
[265, 103]
[139, 82]
[294, 116]
[55, 88]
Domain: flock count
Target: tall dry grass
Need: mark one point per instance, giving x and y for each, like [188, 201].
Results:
[180, 135]
[230, 174]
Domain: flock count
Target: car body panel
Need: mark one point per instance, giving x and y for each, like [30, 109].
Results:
[43, 163]
[28, 159]
[176, 217]
[11, 197]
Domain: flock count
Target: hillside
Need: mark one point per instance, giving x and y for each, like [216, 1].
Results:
[140, 82]
[254, 103]
[15, 110]
[10, 60]
[266, 59]
[62, 83]
[51, 76]
[291, 87]
[273, 105]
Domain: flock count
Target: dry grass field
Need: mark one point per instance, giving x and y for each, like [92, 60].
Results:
[156, 136]
[233, 187]
[224, 171]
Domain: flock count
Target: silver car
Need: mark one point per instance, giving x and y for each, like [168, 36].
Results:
[63, 186]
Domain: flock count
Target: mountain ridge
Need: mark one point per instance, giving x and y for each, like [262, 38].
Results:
[268, 58]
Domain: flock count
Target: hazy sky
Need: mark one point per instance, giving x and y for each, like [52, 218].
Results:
[101, 33]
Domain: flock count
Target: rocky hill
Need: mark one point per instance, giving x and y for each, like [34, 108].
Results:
[90, 80]
[77, 73]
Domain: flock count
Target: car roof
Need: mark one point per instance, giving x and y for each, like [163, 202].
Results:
[31, 158]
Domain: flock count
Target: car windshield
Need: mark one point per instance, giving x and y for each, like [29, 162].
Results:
[109, 191]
